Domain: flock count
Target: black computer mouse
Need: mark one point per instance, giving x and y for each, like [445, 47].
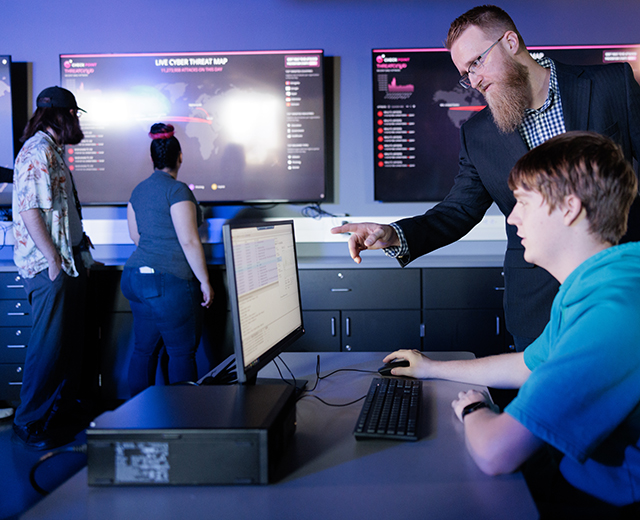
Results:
[386, 369]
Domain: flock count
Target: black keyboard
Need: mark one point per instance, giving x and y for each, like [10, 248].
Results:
[391, 410]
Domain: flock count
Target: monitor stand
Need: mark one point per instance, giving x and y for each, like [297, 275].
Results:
[225, 374]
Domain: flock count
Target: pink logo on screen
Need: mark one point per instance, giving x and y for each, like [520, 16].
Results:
[391, 62]
[67, 64]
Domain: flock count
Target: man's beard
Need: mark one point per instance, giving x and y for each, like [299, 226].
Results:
[509, 99]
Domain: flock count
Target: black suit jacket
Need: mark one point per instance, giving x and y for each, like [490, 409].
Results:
[601, 98]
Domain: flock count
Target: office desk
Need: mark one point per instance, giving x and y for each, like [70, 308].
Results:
[328, 473]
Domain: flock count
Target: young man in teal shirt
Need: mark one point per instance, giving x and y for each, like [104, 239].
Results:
[579, 382]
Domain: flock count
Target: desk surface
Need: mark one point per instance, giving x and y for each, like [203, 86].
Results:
[330, 475]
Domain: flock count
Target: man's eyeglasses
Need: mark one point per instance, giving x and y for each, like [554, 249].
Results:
[477, 64]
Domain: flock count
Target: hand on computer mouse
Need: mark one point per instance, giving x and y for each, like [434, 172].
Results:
[418, 365]
[388, 367]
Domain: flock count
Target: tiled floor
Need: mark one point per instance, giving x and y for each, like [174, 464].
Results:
[17, 494]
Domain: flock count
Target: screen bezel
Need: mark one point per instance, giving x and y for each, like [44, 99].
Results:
[6, 173]
[326, 116]
[248, 374]
[408, 188]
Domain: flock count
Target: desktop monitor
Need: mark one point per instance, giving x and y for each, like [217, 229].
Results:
[264, 292]
[419, 107]
[251, 124]
[6, 132]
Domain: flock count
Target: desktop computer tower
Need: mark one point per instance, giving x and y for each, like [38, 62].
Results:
[193, 435]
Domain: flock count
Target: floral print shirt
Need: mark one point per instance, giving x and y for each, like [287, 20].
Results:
[39, 182]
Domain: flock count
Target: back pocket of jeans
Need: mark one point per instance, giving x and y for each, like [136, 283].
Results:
[151, 285]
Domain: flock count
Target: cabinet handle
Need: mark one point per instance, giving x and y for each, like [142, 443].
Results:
[15, 383]
[16, 346]
[15, 286]
[348, 326]
[333, 327]
[497, 325]
[498, 288]
[340, 289]
[16, 313]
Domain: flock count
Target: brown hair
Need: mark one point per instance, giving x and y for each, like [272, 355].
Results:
[60, 120]
[589, 166]
[491, 19]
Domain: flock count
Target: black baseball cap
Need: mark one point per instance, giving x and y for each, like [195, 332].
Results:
[57, 97]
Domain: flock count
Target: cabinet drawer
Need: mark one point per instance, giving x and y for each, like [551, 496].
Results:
[326, 289]
[13, 344]
[11, 286]
[321, 332]
[15, 313]
[480, 331]
[380, 331]
[10, 382]
[462, 288]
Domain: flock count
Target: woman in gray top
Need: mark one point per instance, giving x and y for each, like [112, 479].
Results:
[165, 279]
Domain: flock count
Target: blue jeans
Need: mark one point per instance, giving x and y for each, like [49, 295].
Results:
[166, 310]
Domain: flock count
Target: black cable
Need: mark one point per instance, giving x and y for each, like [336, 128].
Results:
[349, 370]
[319, 377]
[82, 448]
[336, 405]
[295, 385]
[316, 212]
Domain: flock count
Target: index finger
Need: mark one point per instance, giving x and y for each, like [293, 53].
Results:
[344, 228]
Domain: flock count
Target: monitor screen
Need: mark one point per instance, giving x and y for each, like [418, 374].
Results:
[264, 292]
[251, 124]
[418, 108]
[6, 131]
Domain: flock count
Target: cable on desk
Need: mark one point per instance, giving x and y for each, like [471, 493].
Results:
[335, 405]
[288, 369]
[82, 448]
[319, 377]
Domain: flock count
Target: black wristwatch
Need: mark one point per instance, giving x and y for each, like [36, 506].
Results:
[478, 405]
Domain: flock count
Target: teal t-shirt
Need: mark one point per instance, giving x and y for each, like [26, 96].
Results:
[583, 395]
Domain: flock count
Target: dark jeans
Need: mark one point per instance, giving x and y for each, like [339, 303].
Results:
[556, 499]
[54, 356]
[166, 310]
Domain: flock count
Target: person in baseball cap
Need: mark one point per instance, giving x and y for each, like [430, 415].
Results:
[57, 115]
[57, 97]
[51, 254]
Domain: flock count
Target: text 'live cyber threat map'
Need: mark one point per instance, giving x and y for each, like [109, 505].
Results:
[250, 125]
